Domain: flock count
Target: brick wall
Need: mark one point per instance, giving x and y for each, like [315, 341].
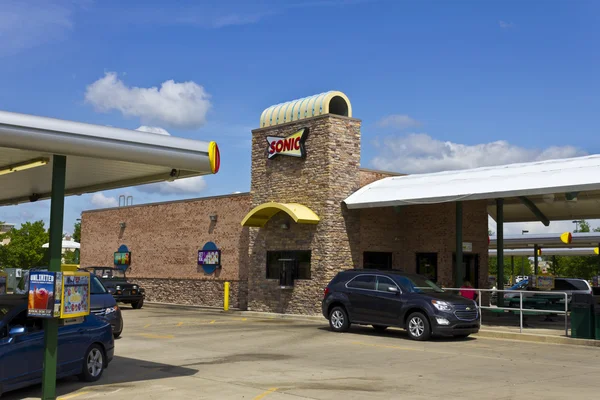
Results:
[369, 176]
[164, 239]
[321, 182]
[409, 230]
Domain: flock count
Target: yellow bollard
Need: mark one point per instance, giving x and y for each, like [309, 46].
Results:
[226, 297]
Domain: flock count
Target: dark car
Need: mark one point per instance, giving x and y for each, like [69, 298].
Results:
[386, 298]
[84, 349]
[102, 303]
[115, 280]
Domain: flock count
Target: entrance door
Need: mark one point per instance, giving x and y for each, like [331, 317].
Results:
[470, 268]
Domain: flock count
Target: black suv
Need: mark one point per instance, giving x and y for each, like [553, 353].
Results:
[390, 298]
[116, 283]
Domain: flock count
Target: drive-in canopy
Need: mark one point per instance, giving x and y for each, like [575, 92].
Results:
[558, 189]
[98, 157]
[50, 158]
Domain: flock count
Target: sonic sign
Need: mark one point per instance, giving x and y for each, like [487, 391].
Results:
[292, 145]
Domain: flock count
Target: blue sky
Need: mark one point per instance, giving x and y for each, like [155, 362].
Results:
[438, 84]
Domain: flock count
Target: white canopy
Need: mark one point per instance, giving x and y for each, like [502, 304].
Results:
[66, 244]
[560, 189]
[98, 157]
[579, 251]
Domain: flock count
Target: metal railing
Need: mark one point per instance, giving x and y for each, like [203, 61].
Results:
[529, 294]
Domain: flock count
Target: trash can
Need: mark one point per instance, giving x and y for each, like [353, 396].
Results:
[597, 316]
[582, 316]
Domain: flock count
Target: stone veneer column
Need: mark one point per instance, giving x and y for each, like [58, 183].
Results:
[321, 182]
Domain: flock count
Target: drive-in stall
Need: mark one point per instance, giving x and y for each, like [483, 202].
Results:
[44, 158]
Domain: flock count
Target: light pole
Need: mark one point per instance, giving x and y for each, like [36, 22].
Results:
[577, 222]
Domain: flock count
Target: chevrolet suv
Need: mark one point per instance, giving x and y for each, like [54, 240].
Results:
[392, 298]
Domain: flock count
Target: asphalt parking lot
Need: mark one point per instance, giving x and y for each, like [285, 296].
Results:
[179, 353]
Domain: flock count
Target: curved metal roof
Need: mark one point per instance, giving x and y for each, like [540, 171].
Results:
[561, 189]
[307, 107]
[260, 215]
[98, 157]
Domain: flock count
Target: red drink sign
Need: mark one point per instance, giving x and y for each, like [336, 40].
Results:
[41, 294]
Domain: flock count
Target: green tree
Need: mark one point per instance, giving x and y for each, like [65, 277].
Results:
[584, 267]
[520, 262]
[582, 226]
[77, 232]
[25, 247]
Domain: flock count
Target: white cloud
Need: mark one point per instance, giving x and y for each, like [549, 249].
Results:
[420, 153]
[398, 121]
[153, 129]
[506, 25]
[101, 201]
[180, 105]
[24, 25]
[193, 185]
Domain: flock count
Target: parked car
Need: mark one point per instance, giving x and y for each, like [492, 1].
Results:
[566, 285]
[102, 303]
[115, 280]
[390, 298]
[84, 349]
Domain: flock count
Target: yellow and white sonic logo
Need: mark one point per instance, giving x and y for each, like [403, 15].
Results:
[292, 145]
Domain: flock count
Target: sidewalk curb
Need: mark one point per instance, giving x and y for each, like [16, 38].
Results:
[528, 337]
[192, 306]
[259, 314]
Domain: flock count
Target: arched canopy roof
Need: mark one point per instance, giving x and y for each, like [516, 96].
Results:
[260, 215]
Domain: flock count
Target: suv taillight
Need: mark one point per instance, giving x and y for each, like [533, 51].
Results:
[326, 292]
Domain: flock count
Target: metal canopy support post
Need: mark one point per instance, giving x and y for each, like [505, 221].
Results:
[512, 270]
[536, 250]
[459, 273]
[500, 246]
[57, 203]
[535, 210]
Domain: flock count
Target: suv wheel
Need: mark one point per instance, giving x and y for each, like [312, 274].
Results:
[137, 304]
[417, 326]
[338, 320]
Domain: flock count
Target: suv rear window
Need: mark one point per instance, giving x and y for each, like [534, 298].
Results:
[563, 284]
[362, 282]
[579, 284]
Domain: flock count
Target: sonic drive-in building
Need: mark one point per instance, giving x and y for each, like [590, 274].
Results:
[280, 244]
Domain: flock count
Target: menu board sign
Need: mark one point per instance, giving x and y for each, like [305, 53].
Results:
[544, 282]
[41, 294]
[75, 294]
[122, 258]
[209, 257]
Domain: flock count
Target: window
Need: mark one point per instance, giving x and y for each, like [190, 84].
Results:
[416, 284]
[31, 325]
[563, 284]
[427, 265]
[579, 284]
[384, 283]
[96, 286]
[298, 261]
[377, 260]
[366, 282]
